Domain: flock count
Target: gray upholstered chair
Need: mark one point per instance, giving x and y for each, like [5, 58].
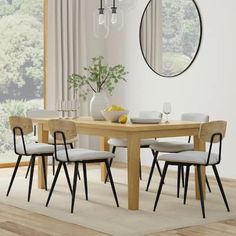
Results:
[212, 133]
[46, 114]
[22, 126]
[144, 143]
[175, 147]
[66, 130]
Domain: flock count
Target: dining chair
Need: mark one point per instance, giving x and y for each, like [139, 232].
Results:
[66, 130]
[22, 126]
[213, 133]
[144, 143]
[46, 114]
[176, 147]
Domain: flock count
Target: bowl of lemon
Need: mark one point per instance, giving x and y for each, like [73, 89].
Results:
[115, 114]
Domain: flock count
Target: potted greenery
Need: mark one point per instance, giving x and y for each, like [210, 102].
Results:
[99, 79]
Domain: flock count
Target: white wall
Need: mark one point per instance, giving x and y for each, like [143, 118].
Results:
[208, 86]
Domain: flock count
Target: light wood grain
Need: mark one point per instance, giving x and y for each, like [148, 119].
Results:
[45, 48]
[199, 145]
[133, 171]
[104, 146]
[24, 123]
[42, 138]
[210, 128]
[65, 126]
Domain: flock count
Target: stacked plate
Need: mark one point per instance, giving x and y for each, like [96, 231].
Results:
[147, 117]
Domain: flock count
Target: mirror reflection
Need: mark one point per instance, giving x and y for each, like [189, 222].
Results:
[170, 35]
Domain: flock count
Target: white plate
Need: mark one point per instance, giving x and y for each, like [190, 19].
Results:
[145, 120]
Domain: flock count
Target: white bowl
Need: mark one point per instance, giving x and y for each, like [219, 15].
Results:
[113, 116]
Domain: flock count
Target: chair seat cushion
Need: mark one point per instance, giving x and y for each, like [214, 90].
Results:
[80, 154]
[35, 148]
[172, 147]
[124, 143]
[192, 157]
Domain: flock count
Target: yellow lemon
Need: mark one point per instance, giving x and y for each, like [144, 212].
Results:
[123, 119]
[114, 108]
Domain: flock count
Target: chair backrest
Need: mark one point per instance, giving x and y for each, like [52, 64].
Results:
[64, 126]
[42, 113]
[150, 114]
[199, 117]
[207, 130]
[24, 123]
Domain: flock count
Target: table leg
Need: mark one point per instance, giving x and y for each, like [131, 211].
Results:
[199, 145]
[133, 172]
[42, 138]
[104, 146]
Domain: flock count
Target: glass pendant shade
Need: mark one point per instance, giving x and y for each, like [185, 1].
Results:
[116, 20]
[100, 25]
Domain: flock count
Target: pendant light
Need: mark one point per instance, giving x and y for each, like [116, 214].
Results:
[110, 16]
[100, 22]
[116, 21]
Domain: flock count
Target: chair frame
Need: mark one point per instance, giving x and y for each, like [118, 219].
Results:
[76, 163]
[214, 135]
[180, 172]
[15, 129]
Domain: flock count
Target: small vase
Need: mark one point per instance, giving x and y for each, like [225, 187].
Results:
[98, 102]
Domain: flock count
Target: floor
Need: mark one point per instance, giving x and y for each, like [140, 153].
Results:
[15, 221]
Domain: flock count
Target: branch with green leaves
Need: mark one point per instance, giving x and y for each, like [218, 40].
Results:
[100, 77]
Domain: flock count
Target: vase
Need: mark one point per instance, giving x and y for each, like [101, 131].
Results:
[98, 102]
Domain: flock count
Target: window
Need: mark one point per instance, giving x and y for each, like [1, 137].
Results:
[21, 64]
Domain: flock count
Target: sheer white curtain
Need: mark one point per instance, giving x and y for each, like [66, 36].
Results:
[66, 47]
[151, 34]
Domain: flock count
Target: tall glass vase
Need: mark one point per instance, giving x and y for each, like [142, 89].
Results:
[98, 102]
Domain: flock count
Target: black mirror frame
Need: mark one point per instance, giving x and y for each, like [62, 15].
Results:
[198, 48]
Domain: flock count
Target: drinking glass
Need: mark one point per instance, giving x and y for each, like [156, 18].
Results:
[65, 109]
[167, 110]
[59, 108]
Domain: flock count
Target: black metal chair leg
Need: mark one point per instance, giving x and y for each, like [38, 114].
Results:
[199, 174]
[27, 172]
[178, 180]
[220, 187]
[140, 169]
[79, 173]
[67, 176]
[44, 172]
[155, 154]
[186, 184]
[85, 180]
[113, 149]
[158, 167]
[208, 185]
[31, 177]
[74, 187]
[182, 175]
[14, 174]
[161, 185]
[54, 182]
[71, 145]
[53, 165]
[112, 182]
[111, 160]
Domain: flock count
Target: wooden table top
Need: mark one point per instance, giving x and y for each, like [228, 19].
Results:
[88, 122]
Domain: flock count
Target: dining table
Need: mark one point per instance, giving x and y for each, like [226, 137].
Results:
[133, 133]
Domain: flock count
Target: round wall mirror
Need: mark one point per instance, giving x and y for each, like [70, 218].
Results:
[170, 35]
